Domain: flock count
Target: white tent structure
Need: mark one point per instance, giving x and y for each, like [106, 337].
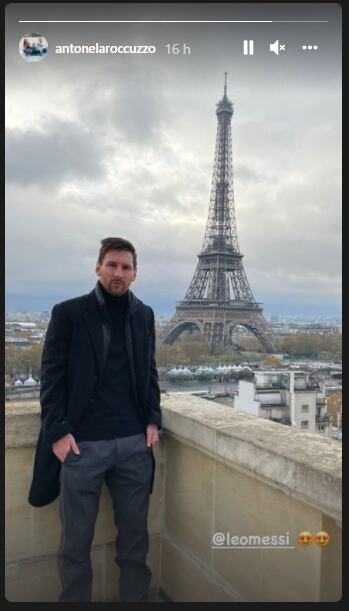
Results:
[30, 381]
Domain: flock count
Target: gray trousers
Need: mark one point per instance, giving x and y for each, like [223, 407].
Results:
[125, 465]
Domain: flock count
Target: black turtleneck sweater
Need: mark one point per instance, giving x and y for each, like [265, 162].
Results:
[112, 412]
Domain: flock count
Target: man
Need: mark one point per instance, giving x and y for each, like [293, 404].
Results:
[100, 415]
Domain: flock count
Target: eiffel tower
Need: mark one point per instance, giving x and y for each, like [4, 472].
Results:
[219, 296]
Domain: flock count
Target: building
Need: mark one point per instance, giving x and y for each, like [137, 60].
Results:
[287, 397]
[18, 326]
[316, 328]
[21, 342]
[284, 328]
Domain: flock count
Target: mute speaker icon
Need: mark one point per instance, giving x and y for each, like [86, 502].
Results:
[275, 47]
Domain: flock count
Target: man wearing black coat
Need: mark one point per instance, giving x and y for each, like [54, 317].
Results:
[100, 416]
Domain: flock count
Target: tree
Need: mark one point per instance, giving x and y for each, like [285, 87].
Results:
[169, 356]
[219, 359]
[244, 374]
[195, 347]
[12, 360]
[204, 376]
[23, 361]
[250, 343]
[271, 361]
[313, 345]
[247, 374]
[334, 406]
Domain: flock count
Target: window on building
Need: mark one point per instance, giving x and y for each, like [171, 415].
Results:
[305, 424]
[305, 408]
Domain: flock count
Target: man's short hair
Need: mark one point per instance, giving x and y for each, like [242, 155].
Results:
[116, 244]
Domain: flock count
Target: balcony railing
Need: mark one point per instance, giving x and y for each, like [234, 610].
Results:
[211, 463]
[204, 303]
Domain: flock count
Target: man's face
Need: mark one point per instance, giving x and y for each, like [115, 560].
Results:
[116, 272]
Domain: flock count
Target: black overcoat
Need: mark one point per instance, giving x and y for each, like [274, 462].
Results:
[74, 354]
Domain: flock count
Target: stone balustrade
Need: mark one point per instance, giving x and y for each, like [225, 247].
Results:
[217, 470]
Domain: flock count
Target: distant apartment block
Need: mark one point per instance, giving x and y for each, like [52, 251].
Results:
[288, 397]
[17, 325]
[283, 329]
[22, 342]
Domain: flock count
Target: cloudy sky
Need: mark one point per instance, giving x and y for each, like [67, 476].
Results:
[111, 145]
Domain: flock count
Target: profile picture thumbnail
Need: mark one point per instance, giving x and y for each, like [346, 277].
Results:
[33, 47]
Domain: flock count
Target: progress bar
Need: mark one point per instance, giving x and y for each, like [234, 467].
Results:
[158, 21]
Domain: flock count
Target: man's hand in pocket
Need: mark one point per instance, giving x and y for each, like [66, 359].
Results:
[62, 446]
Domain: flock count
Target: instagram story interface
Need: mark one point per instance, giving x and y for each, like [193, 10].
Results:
[209, 137]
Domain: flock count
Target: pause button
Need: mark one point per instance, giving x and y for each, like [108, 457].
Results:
[248, 47]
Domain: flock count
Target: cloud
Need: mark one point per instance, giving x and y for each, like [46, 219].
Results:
[65, 152]
[126, 148]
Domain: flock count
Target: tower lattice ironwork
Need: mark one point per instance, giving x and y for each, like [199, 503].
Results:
[219, 296]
